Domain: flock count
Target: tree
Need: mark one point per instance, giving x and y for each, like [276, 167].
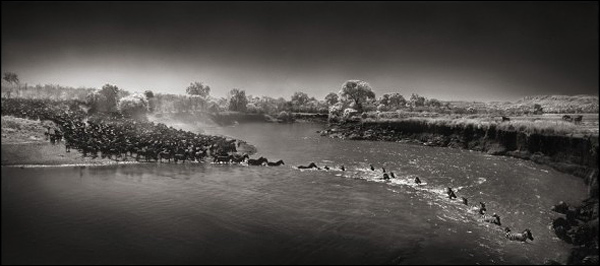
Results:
[285, 116]
[198, 92]
[416, 100]
[198, 88]
[151, 101]
[299, 99]
[213, 107]
[237, 100]
[357, 91]
[392, 101]
[267, 105]
[111, 97]
[434, 103]
[251, 108]
[331, 98]
[149, 94]
[93, 99]
[11, 77]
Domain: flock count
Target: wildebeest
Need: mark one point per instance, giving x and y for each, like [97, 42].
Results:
[165, 155]
[259, 161]
[482, 208]
[278, 163]
[222, 158]
[180, 157]
[450, 193]
[523, 236]
[417, 180]
[386, 176]
[504, 118]
[311, 165]
[494, 219]
[240, 158]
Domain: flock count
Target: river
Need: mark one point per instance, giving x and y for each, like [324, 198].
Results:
[220, 214]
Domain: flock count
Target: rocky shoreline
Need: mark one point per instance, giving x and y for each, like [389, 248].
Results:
[579, 227]
[576, 155]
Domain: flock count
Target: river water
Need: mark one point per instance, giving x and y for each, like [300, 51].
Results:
[213, 214]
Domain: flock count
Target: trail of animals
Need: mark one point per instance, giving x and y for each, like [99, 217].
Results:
[373, 174]
[384, 176]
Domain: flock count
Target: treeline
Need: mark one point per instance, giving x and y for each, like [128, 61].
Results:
[355, 98]
[197, 99]
[200, 100]
[48, 91]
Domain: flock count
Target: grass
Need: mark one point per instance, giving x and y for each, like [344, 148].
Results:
[540, 127]
[546, 127]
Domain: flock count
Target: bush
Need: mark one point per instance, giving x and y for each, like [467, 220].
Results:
[285, 116]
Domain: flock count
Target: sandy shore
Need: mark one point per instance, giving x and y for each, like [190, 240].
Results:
[45, 154]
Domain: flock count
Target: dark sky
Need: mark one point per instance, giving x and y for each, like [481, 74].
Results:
[447, 50]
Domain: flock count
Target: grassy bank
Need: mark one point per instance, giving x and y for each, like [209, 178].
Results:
[549, 124]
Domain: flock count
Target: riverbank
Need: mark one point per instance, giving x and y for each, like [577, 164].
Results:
[572, 154]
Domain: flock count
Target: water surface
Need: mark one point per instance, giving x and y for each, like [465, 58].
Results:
[203, 213]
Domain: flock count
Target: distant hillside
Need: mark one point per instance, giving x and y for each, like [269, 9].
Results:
[549, 104]
[562, 103]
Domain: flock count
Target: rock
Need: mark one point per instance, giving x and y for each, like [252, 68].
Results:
[336, 135]
[354, 136]
[496, 149]
[583, 256]
[561, 207]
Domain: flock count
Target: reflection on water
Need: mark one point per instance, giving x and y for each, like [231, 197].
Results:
[203, 213]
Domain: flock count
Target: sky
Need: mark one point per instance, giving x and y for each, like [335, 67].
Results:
[485, 51]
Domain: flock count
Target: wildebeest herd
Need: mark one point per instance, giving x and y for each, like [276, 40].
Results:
[113, 135]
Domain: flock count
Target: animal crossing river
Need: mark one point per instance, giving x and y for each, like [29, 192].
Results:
[213, 214]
